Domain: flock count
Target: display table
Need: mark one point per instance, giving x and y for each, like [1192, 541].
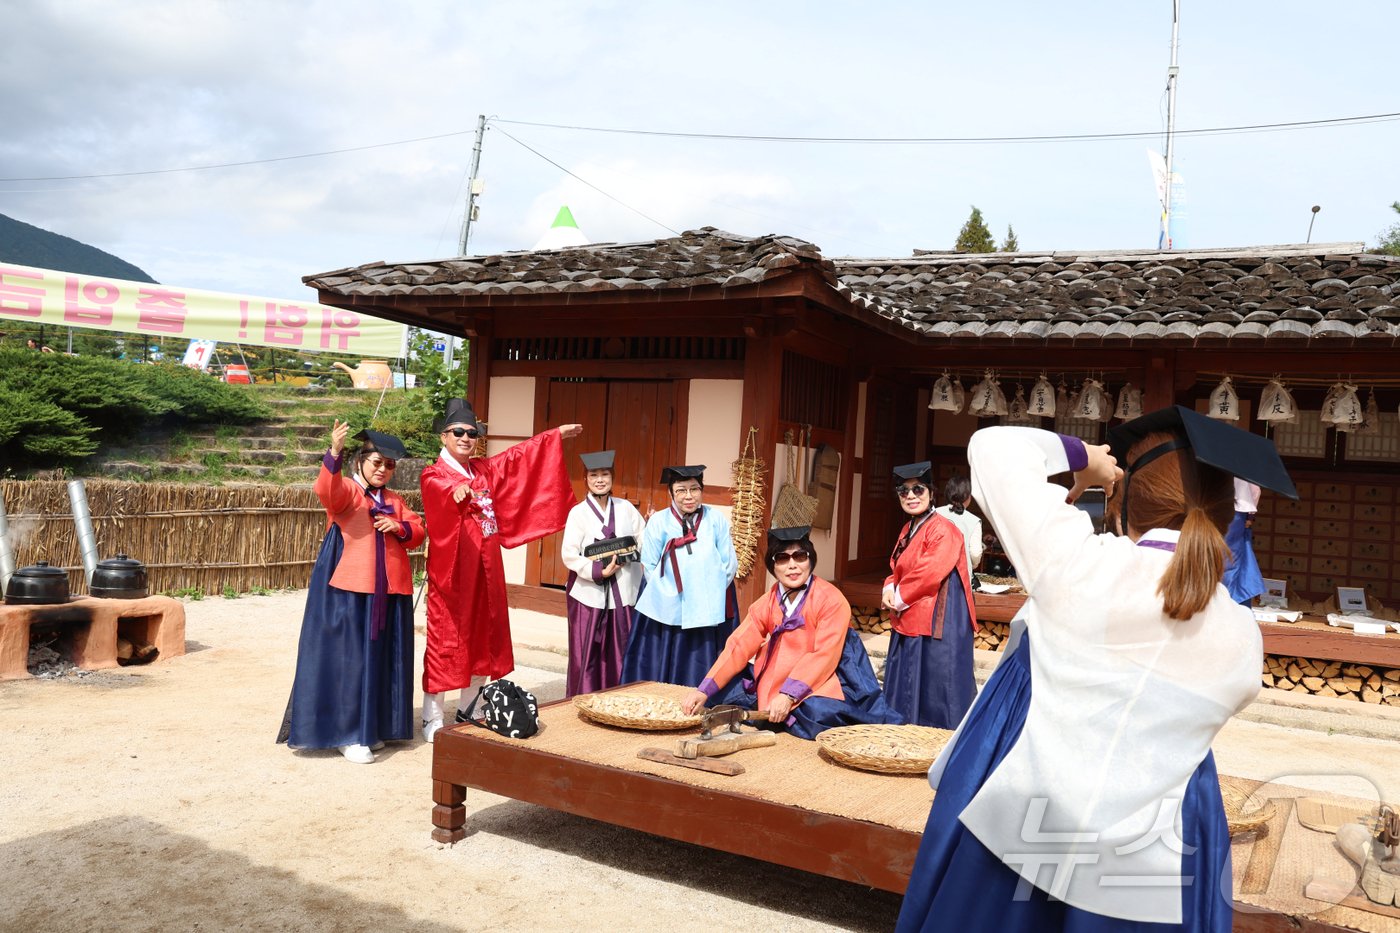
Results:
[792, 806]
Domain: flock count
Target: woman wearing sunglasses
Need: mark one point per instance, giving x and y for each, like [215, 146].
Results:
[354, 681]
[928, 670]
[475, 506]
[796, 657]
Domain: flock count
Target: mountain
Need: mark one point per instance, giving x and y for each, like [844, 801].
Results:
[28, 245]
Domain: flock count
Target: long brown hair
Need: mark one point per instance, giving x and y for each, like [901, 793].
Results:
[1175, 491]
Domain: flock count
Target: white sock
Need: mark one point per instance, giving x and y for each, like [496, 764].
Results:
[432, 706]
[469, 694]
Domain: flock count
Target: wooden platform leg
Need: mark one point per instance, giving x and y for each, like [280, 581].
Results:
[450, 812]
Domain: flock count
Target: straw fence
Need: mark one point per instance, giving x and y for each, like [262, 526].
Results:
[202, 537]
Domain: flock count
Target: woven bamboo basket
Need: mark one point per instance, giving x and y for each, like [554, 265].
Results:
[1241, 813]
[746, 519]
[644, 711]
[794, 508]
[884, 748]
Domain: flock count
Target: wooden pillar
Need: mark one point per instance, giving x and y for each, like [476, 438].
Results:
[1159, 381]
[763, 362]
[478, 331]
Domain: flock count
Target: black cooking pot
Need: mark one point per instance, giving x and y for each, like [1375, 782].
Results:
[119, 577]
[37, 585]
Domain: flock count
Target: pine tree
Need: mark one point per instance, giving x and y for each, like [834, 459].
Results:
[974, 236]
[1010, 244]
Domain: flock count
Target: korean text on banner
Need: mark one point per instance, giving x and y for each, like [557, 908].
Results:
[44, 296]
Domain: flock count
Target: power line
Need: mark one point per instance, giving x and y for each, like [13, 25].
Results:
[205, 168]
[971, 140]
[586, 181]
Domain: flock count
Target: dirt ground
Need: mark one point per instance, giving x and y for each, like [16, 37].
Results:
[155, 799]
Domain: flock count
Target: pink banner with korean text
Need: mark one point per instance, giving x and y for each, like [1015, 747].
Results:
[64, 299]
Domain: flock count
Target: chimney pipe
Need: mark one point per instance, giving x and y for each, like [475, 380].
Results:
[82, 518]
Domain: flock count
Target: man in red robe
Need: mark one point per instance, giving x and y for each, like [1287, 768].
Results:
[474, 506]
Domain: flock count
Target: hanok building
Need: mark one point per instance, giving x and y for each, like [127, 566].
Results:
[671, 350]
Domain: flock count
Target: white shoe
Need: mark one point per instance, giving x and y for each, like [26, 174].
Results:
[360, 754]
[430, 728]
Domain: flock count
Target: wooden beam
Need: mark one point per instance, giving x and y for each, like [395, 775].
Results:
[623, 369]
[763, 363]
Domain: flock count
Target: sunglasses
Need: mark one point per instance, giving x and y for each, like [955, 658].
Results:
[800, 556]
[464, 432]
[918, 489]
[386, 464]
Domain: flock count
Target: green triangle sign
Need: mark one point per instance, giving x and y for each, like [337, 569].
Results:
[564, 218]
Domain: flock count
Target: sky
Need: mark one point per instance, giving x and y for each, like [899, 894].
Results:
[124, 93]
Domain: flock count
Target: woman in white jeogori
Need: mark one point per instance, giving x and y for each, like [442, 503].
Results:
[1080, 792]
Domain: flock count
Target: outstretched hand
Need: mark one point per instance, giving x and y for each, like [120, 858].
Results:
[339, 432]
[567, 431]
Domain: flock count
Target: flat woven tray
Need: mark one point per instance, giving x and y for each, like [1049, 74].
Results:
[645, 711]
[1242, 813]
[882, 748]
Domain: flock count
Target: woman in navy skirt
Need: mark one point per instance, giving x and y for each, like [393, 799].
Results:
[688, 606]
[1080, 792]
[928, 669]
[354, 682]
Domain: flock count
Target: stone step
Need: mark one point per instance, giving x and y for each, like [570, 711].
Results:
[243, 456]
[277, 442]
[299, 475]
[279, 429]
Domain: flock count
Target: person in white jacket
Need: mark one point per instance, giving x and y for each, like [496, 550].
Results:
[601, 594]
[1080, 791]
[958, 492]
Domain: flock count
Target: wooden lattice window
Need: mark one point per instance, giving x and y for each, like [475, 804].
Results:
[813, 393]
[518, 349]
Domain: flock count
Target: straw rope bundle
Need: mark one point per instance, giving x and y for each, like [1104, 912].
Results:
[199, 537]
[746, 526]
[1243, 814]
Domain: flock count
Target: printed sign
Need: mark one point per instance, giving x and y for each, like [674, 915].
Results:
[64, 299]
[199, 354]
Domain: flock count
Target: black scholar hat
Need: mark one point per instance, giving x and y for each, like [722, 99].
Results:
[459, 411]
[1239, 453]
[598, 460]
[777, 537]
[387, 444]
[674, 474]
[922, 470]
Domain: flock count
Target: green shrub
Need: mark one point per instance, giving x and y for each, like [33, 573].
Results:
[36, 432]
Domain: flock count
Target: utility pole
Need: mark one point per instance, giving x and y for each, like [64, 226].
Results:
[1172, 72]
[474, 188]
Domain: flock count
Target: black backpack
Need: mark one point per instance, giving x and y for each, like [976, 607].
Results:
[506, 709]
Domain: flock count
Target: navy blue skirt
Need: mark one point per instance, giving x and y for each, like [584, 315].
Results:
[1242, 576]
[864, 702]
[350, 688]
[670, 654]
[957, 883]
[929, 680]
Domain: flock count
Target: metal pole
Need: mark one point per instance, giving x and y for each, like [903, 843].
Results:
[1315, 209]
[82, 518]
[1172, 72]
[472, 187]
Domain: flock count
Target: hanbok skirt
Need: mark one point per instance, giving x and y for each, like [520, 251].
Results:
[597, 643]
[929, 680]
[957, 883]
[670, 654]
[864, 701]
[1242, 576]
[351, 688]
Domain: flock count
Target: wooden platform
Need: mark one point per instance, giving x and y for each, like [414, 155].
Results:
[90, 628]
[866, 829]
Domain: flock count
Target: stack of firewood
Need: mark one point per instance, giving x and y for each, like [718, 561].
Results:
[870, 619]
[1333, 679]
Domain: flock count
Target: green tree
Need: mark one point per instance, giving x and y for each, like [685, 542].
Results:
[1388, 242]
[1010, 244]
[974, 237]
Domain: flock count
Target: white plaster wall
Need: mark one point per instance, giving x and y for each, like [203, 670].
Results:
[715, 429]
[512, 414]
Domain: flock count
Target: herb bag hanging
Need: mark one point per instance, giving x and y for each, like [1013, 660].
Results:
[988, 401]
[959, 393]
[1090, 402]
[943, 397]
[1342, 406]
[1276, 403]
[1224, 403]
[1041, 403]
[1064, 402]
[1370, 419]
[1129, 403]
[1016, 409]
[1106, 406]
